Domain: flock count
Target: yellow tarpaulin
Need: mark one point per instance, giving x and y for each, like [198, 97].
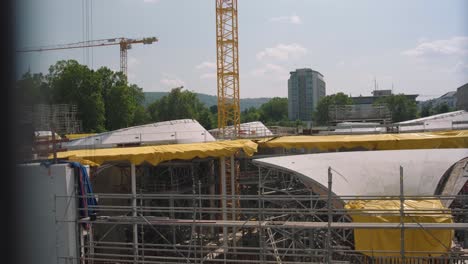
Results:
[77, 136]
[161, 153]
[427, 140]
[370, 241]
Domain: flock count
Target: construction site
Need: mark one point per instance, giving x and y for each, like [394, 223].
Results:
[376, 198]
[175, 192]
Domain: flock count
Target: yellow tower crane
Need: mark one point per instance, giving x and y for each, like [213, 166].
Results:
[227, 67]
[228, 93]
[125, 45]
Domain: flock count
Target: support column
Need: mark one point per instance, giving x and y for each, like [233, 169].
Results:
[91, 242]
[233, 188]
[402, 214]
[261, 218]
[330, 217]
[222, 162]
[134, 209]
[212, 188]
[233, 199]
[172, 204]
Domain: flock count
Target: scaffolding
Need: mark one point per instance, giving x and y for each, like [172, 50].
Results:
[61, 118]
[179, 212]
[359, 113]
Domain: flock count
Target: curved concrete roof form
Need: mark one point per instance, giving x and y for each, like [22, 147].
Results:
[168, 132]
[371, 172]
[437, 122]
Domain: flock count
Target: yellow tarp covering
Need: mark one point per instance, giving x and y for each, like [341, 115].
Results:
[76, 136]
[161, 153]
[368, 240]
[427, 140]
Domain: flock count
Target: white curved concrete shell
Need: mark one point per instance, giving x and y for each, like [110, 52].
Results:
[168, 132]
[371, 172]
[447, 121]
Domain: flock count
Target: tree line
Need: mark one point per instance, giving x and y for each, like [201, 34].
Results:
[106, 101]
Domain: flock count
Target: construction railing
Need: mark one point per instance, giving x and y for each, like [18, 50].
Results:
[279, 221]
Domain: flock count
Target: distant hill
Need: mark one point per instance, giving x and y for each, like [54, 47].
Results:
[209, 100]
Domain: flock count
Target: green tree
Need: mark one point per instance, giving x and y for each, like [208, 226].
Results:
[250, 114]
[427, 110]
[120, 108]
[72, 83]
[33, 89]
[442, 108]
[401, 107]
[108, 81]
[214, 116]
[104, 98]
[180, 104]
[321, 113]
[205, 119]
[123, 102]
[141, 116]
[274, 110]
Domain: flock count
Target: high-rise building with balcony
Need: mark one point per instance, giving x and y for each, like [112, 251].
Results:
[305, 88]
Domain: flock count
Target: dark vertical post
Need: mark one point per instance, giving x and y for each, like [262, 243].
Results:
[330, 216]
[402, 222]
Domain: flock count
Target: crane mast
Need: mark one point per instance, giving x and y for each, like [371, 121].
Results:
[125, 45]
[227, 67]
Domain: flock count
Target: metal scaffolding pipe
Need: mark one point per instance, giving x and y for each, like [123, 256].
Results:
[134, 210]
[278, 224]
[402, 214]
[233, 188]
[212, 192]
[222, 162]
[233, 199]
[330, 216]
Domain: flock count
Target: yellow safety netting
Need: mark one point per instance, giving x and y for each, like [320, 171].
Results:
[427, 140]
[77, 136]
[158, 154]
[371, 241]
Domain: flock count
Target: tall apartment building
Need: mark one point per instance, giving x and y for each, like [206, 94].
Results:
[305, 88]
[462, 97]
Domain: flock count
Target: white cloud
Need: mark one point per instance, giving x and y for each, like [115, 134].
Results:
[151, 1]
[171, 81]
[340, 64]
[206, 65]
[294, 19]
[132, 62]
[282, 52]
[460, 67]
[131, 76]
[210, 66]
[456, 46]
[209, 75]
[271, 70]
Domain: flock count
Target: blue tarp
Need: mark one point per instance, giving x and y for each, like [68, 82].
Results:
[85, 191]
[87, 200]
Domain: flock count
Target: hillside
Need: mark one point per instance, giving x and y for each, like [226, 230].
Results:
[209, 100]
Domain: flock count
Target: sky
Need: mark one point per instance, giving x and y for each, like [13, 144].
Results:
[414, 47]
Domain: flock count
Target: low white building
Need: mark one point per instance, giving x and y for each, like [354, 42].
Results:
[357, 128]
